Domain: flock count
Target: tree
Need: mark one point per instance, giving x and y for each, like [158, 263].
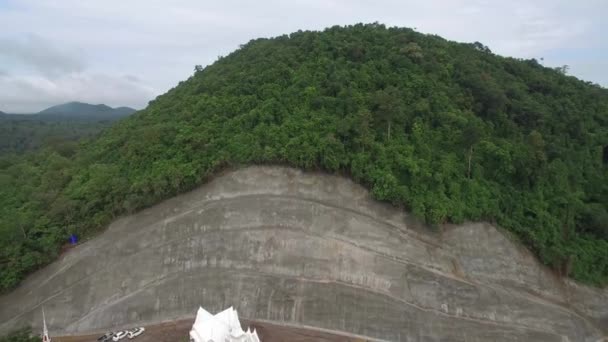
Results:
[479, 46]
[562, 69]
[413, 50]
[388, 107]
[363, 129]
[472, 135]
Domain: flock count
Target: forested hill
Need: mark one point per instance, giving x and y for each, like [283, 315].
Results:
[85, 111]
[58, 127]
[22, 133]
[449, 131]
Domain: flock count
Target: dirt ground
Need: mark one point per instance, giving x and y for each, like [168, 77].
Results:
[178, 332]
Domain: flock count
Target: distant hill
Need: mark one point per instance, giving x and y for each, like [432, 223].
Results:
[79, 110]
[450, 131]
[123, 111]
[21, 133]
[58, 127]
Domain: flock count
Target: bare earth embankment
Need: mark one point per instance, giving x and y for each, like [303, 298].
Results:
[305, 249]
[268, 332]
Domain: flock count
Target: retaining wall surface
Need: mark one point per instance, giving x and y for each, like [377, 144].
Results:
[308, 249]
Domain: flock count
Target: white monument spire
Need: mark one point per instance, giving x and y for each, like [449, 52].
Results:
[45, 331]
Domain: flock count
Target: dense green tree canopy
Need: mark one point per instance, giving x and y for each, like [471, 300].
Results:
[449, 131]
[22, 133]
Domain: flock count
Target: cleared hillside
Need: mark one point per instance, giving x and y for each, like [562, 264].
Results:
[306, 249]
[448, 131]
[179, 331]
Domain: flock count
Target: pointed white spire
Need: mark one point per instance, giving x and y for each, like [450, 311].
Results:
[222, 327]
[45, 331]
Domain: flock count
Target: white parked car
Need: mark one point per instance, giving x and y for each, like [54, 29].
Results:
[107, 337]
[136, 332]
[119, 336]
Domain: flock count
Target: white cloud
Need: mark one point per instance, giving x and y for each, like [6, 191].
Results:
[28, 94]
[158, 42]
[33, 51]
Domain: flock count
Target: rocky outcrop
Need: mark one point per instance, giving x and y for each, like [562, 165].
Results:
[313, 250]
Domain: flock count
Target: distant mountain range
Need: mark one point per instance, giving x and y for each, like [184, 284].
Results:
[85, 110]
[57, 127]
[80, 111]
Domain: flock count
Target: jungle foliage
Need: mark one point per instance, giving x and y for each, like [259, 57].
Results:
[23, 133]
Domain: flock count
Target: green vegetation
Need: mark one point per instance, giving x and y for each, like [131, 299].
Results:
[57, 127]
[21, 335]
[21, 133]
[447, 130]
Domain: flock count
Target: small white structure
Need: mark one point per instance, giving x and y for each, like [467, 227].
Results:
[223, 327]
[45, 331]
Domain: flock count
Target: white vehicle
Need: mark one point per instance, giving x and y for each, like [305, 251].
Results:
[135, 332]
[107, 337]
[119, 336]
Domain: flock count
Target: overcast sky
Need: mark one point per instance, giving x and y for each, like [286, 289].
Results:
[126, 52]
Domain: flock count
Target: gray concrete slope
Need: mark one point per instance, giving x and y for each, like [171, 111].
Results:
[308, 249]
